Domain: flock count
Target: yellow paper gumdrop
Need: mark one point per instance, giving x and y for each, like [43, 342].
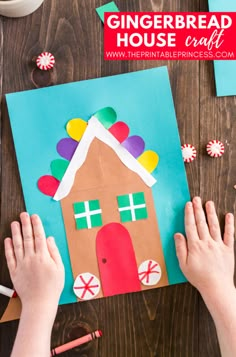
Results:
[76, 128]
[149, 160]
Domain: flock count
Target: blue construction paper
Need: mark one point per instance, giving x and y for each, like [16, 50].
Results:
[144, 101]
[225, 71]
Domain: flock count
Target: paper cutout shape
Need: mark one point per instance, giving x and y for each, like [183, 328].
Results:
[120, 131]
[149, 159]
[107, 116]
[149, 272]
[87, 214]
[76, 128]
[132, 207]
[116, 260]
[109, 7]
[135, 145]
[86, 286]
[58, 168]
[225, 70]
[225, 77]
[13, 310]
[103, 174]
[66, 148]
[48, 185]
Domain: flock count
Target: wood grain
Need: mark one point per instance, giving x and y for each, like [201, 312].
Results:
[168, 322]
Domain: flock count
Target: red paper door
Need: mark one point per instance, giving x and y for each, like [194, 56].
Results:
[116, 260]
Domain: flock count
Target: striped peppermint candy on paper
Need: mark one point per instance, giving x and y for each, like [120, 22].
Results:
[215, 148]
[45, 61]
[189, 152]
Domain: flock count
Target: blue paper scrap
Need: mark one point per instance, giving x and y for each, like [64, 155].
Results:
[225, 70]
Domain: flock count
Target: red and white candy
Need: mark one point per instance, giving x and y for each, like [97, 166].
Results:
[45, 61]
[86, 286]
[149, 272]
[189, 152]
[215, 148]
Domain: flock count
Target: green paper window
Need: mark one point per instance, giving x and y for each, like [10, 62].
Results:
[132, 207]
[87, 214]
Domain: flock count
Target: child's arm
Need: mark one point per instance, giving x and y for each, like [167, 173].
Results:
[207, 261]
[37, 274]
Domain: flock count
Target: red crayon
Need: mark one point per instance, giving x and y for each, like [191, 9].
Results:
[75, 343]
[7, 292]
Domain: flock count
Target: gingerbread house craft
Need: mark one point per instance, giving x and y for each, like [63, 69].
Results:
[109, 214]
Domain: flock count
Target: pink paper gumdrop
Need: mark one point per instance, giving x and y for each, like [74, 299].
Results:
[120, 131]
[48, 185]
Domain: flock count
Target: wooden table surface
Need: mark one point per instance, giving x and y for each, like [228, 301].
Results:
[166, 322]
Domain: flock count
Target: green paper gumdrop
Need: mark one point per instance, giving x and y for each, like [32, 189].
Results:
[107, 116]
[58, 168]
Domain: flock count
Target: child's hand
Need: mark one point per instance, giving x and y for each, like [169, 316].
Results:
[206, 260]
[34, 263]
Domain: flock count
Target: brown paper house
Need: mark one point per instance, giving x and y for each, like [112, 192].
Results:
[110, 219]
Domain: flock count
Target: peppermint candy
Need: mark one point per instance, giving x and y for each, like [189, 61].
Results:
[215, 148]
[45, 61]
[189, 152]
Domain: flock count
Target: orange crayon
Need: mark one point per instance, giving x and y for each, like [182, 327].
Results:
[75, 343]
